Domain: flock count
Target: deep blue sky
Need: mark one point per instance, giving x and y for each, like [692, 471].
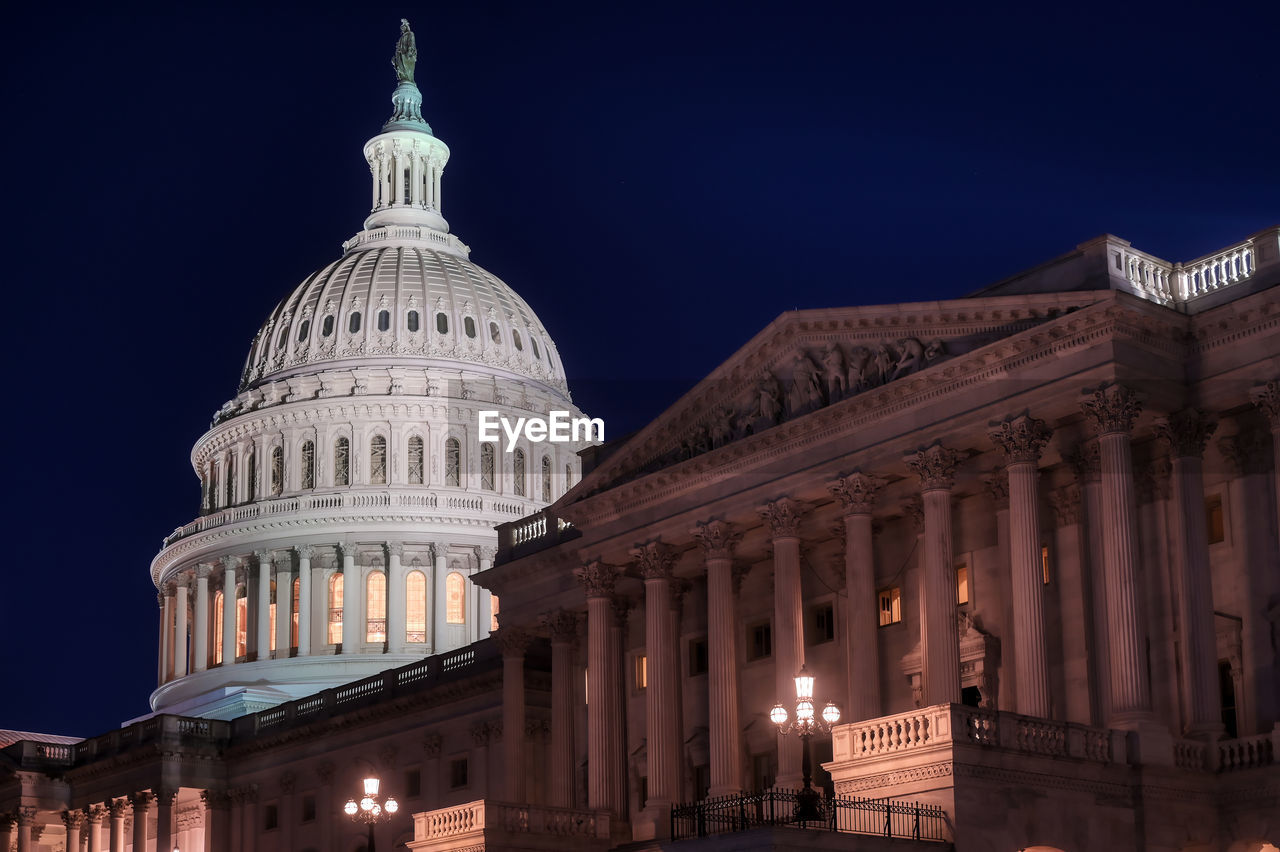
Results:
[657, 180]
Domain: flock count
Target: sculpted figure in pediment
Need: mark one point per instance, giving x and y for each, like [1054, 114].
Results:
[859, 366]
[910, 357]
[883, 363]
[721, 430]
[833, 368]
[769, 396]
[806, 386]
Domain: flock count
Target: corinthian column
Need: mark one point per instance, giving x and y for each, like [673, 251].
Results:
[352, 610]
[229, 609]
[74, 821]
[563, 625]
[141, 805]
[284, 606]
[180, 627]
[1022, 439]
[305, 610]
[783, 519]
[1112, 409]
[857, 495]
[200, 630]
[118, 809]
[603, 775]
[397, 601]
[1267, 398]
[939, 639]
[662, 723]
[718, 540]
[513, 642]
[93, 828]
[170, 589]
[1187, 432]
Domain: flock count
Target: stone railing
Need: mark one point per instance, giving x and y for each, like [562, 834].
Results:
[1149, 275]
[1213, 272]
[1190, 754]
[531, 534]
[1173, 283]
[407, 232]
[1247, 752]
[449, 822]
[355, 499]
[484, 817]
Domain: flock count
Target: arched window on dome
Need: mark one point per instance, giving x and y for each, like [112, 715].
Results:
[515, 338]
[376, 607]
[217, 628]
[353, 324]
[326, 328]
[486, 467]
[494, 334]
[277, 470]
[518, 473]
[413, 321]
[452, 462]
[416, 460]
[242, 621]
[251, 475]
[282, 338]
[335, 609]
[342, 462]
[293, 612]
[468, 326]
[384, 320]
[303, 329]
[308, 459]
[533, 341]
[415, 599]
[442, 323]
[271, 641]
[229, 497]
[546, 479]
[455, 599]
[378, 460]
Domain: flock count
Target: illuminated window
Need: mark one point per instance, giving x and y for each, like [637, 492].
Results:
[890, 606]
[277, 470]
[518, 473]
[452, 462]
[272, 609]
[455, 599]
[416, 460]
[415, 625]
[442, 323]
[384, 320]
[493, 613]
[413, 321]
[341, 462]
[641, 671]
[353, 325]
[486, 467]
[376, 607]
[251, 473]
[1044, 562]
[494, 334]
[335, 609]
[962, 584]
[217, 628]
[230, 490]
[293, 613]
[242, 623]
[468, 326]
[1213, 519]
[378, 460]
[308, 465]
[546, 479]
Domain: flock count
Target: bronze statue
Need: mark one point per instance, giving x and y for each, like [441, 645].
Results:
[406, 53]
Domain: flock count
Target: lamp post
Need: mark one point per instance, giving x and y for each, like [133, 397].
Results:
[806, 722]
[371, 809]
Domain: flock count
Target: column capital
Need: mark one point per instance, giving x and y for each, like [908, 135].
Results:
[486, 553]
[305, 551]
[997, 485]
[26, 816]
[164, 795]
[264, 557]
[431, 744]
[439, 549]
[394, 548]
[562, 624]
[141, 801]
[203, 570]
[718, 538]
[8, 819]
[1066, 504]
[597, 578]
[1022, 438]
[117, 808]
[1246, 451]
[288, 780]
[215, 799]
[654, 560]
[229, 563]
[1111, 409]
[73, 819]
[856, 492]
[1187, 432]
[170, 588]
[480, 733]
[513, 641]
[1086, 461]
[936, 466]
[95, 813]
[1267, 398]
[783, 517]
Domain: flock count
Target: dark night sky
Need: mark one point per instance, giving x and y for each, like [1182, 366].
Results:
[658, 181]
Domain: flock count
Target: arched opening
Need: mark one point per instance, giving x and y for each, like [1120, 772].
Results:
[376, 607]
[415, 587]
[308, 465]
[486, 467]
[416, 460]
[452, 462]
[335, 609]
[342, 462]
[518, 473]
[378, 460]
[217, 628]
[455, 598]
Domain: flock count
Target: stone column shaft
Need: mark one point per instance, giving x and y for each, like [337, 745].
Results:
[397, 601]
[141, 806]
[598, 580]
[861, 619]
[717, 539]
[229, 610]
[93, 830]
[941, 641]
[783, 517]
[284, 608]
[200, 629]
[616, 709]
[263, 633]
[562, 764]
[353, 625]
[661, 707]
[169, 592]
[305, 611]
[1026, 564]
[180, 629]
[513, 644]
[164, 822]
[1199, 648]
[117, 826]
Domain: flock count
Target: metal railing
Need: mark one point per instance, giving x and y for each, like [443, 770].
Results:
[777, 807]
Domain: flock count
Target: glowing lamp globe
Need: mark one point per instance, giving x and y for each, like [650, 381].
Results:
[366, 804]
[830, 714]
[804, 711]
[392, 806]
[778, 715]
[350, 808]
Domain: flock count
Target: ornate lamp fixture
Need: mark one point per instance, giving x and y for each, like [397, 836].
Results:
[370, 809]
[805, 724]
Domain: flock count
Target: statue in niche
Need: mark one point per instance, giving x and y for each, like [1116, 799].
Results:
[406, 54]
[833, 367]
[859, 362]
[770, 397]
[806, 389]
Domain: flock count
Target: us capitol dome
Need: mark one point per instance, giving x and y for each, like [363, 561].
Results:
[346, 497]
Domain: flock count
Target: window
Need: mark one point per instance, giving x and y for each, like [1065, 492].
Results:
[341, 462]
[493, 613]
[515, 338]
[282, 338]
[442, 323]
[303, 329]
[1213, 519]
[1044, 562]
[890, 606]
[335, 609]
[308, 465]
[230, 489]
[533, 341]
[413, 321]
[217, 628]
[412, 786]
[242, 622]
[271, 632]
[457, 773]
[251, 473]
[353, 325]
[376, 607]
[486, 467]
[452, 462]
[822, 624]
[698, 656]
[641, 671]
[701, 781]
[326, 328]
[455, 599]
[494, 334]
[270, 817]
[293, 613]
[759, 641]
[1227, 691]
[546, 479]
[962, 584]
[468, 326]
[518, 473]
[378, 460]
[384, 320]
[416, 465]
[415, 625]
[309, 807]
[568, 476]
[277, 470]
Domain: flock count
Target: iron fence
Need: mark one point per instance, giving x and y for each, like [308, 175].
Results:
[777, 807]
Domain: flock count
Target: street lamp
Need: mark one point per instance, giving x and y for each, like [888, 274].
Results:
[805, 724]
[370, 810]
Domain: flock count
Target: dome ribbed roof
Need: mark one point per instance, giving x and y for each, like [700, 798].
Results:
[402, 305]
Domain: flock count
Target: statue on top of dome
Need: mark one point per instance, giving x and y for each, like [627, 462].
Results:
[406, 53]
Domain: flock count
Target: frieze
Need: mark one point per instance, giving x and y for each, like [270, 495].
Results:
[890, 779]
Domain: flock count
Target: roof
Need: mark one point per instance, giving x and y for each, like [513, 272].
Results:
[8, 738]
